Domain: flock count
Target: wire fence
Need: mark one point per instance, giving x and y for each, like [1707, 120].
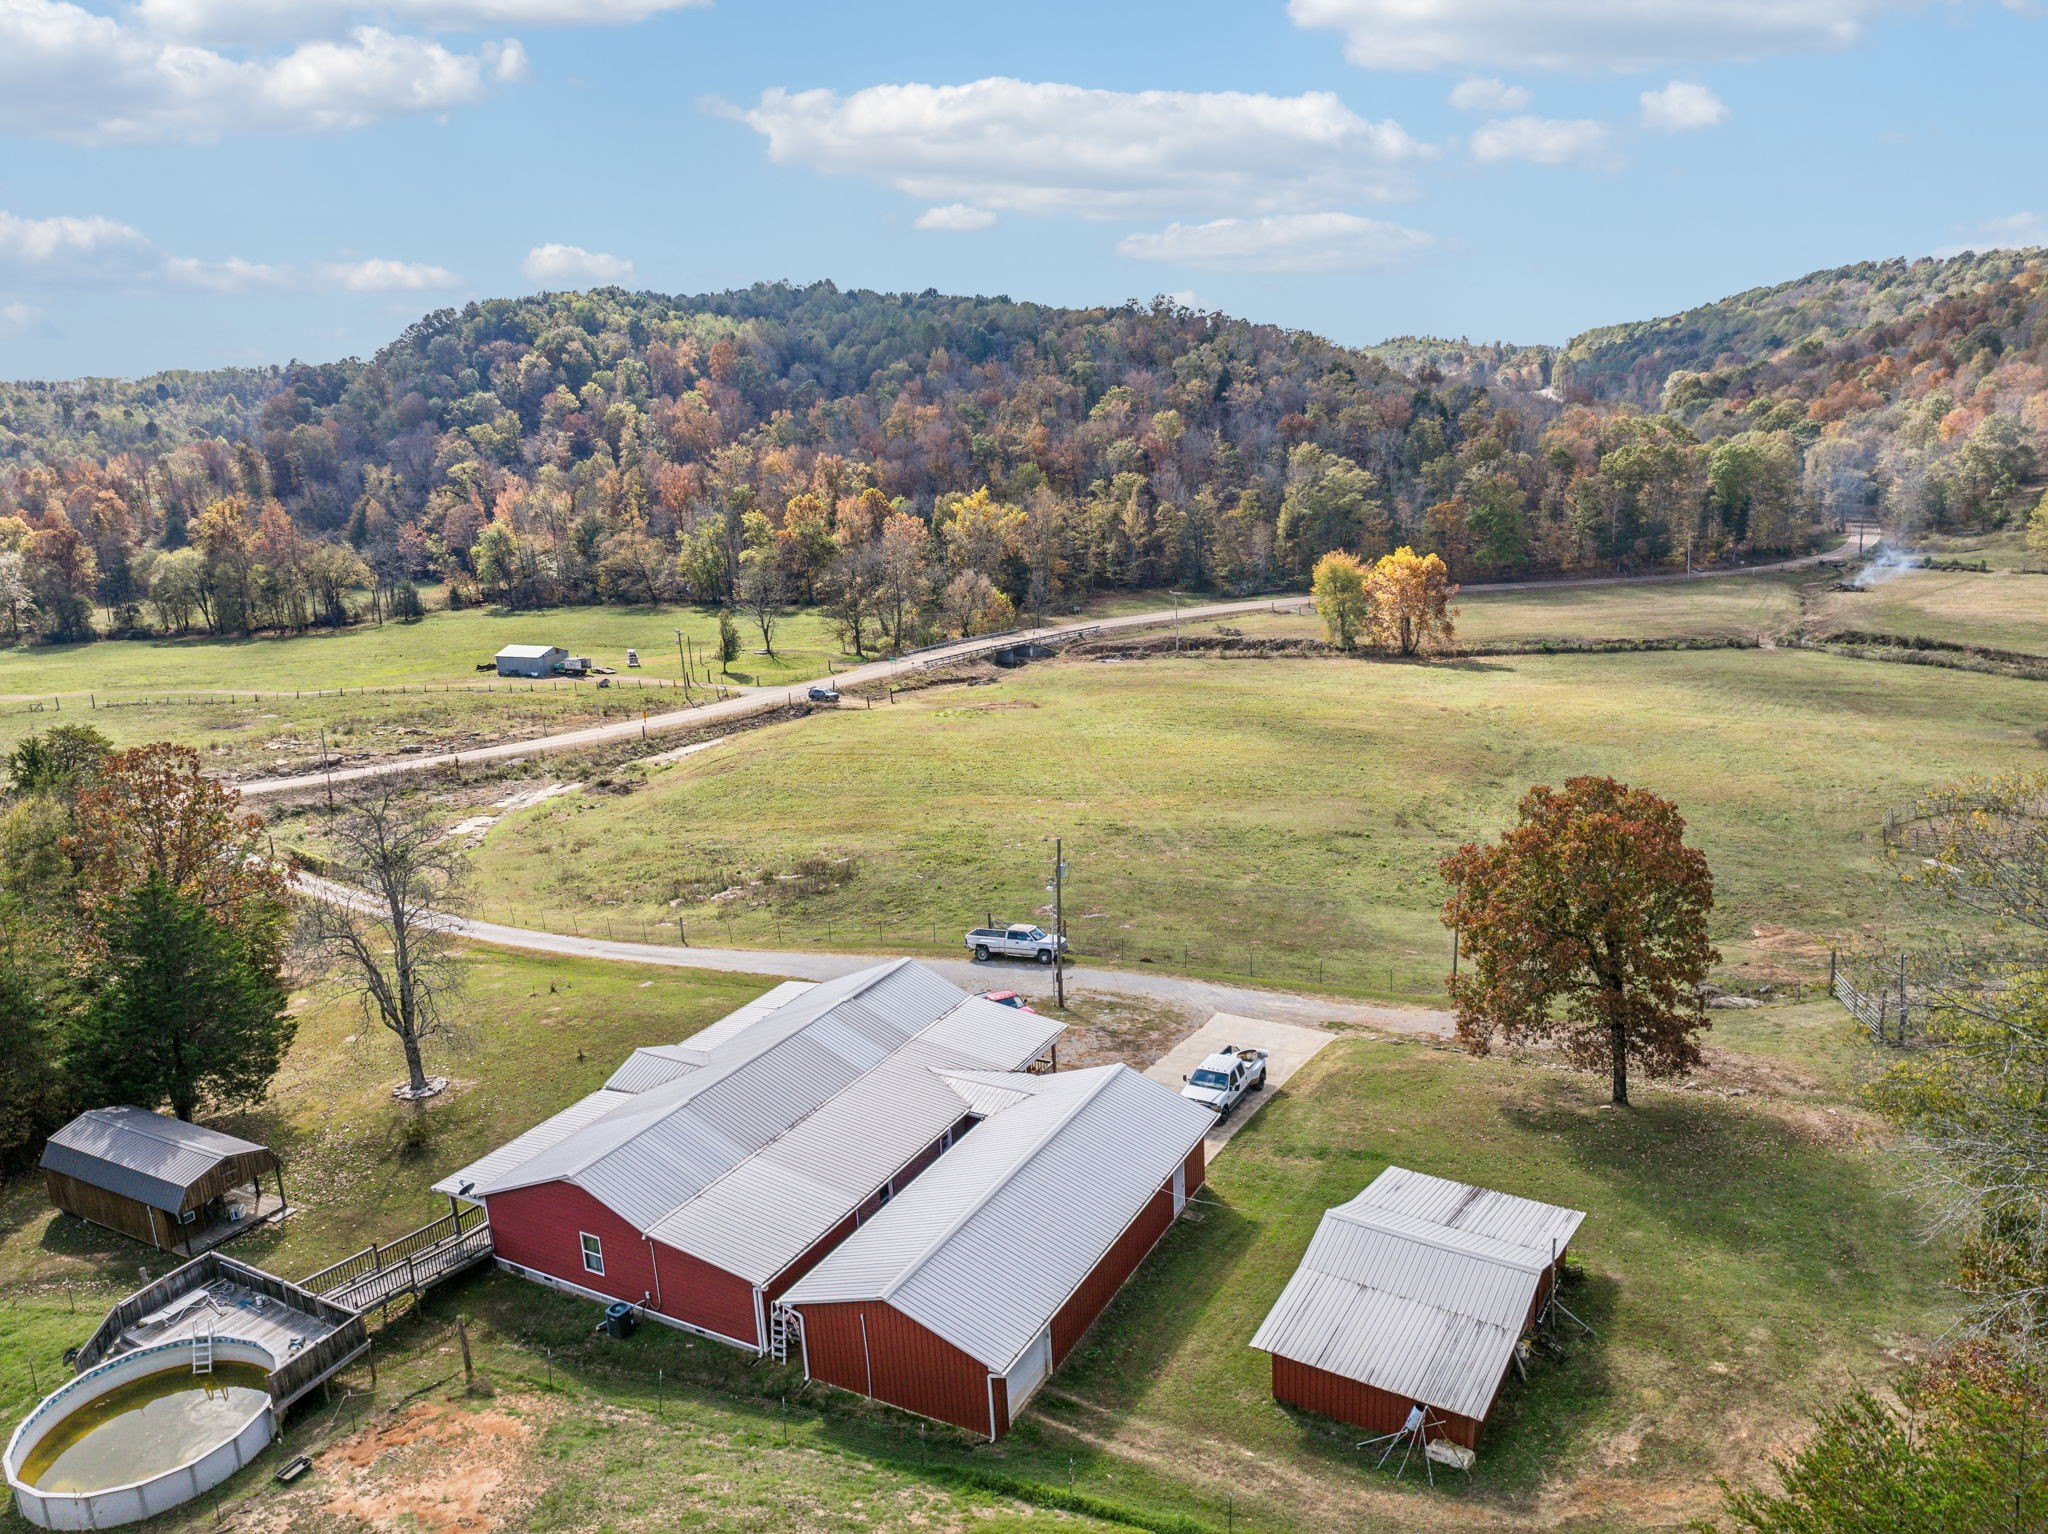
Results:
[510, 687]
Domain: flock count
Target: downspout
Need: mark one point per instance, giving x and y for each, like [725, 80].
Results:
[991, 1406]
[760, 1320]
[868, 1358]
[654, 1263]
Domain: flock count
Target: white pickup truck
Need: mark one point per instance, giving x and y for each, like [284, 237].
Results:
[1226, 1079]
[1019, 940]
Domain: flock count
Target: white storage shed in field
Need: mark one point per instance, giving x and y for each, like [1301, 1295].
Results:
[530, 659]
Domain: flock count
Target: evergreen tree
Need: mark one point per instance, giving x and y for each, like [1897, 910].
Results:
[190, 1009]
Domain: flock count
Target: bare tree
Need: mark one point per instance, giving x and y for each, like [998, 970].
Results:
[379, 928]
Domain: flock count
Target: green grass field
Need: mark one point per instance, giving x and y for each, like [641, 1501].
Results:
[1228, 814]
[442, 647]
[1714, 607]
[1744, 1256]
[2004, 610]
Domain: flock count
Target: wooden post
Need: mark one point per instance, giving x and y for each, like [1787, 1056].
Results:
[468, 1368]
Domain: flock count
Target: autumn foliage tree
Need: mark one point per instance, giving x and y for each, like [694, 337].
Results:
[1338, 588]
[153, 814]
[1410, 599]
[1586, 923]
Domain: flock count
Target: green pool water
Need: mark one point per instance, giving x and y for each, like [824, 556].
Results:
[145, 1427]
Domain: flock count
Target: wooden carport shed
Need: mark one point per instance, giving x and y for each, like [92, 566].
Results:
[176, 1186]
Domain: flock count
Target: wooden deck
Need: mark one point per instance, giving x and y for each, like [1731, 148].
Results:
[412, 1264]
[227, 1309]
[256, 1211]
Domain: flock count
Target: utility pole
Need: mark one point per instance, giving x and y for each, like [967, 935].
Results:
[682, 657]
[1176, 620]
[1059, 924]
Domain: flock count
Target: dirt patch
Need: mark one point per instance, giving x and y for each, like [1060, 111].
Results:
[1106, 1030]
[436, 1467]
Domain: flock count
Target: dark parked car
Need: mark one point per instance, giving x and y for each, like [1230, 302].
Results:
[824, 694]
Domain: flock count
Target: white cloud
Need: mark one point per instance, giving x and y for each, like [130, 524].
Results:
[1280, 242]
[246, 22]
[374, 275]
[571, 266]
[1584, 34]
[69, 73]
[2010, 231]
[1018, 146]
[21, 320]
[958, 217]
[1681, 107]
[1483, 94]
[102, 253]
[233, 275]
[1545, 140]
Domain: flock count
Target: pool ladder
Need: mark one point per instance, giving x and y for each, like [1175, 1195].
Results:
[202, 1351]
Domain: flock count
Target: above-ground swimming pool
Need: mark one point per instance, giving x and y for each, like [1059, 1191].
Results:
[140, 1434]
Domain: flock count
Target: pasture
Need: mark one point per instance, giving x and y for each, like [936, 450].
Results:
[443, 647]
[1712, 607]
[2005, 609]
[1746, 1251]
[1281, 819]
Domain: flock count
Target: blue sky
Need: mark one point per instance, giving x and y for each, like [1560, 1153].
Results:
[198, 182]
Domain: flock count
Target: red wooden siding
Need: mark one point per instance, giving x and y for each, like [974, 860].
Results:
[912, 1367]
[693, 1290]
[1120, 1262]
[921, 1372]
[1359, 1404]
[540, 1228]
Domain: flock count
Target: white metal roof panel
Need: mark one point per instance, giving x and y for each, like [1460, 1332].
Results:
[141, 1155]
[528, 651]
[775, 1205]
[651, 1065]
[985, 1247]
[1399, 1289]
[514, 1153]
[1541, 1227]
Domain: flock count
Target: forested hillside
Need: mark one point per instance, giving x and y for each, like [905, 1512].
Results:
[925, 464]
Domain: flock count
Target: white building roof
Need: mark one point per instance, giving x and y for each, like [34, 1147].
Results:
[985, 1247]
[748, 1142]
[653, 1064]
[776, 1205]
[1420, 1287]
[528, 651]
[517, 1152]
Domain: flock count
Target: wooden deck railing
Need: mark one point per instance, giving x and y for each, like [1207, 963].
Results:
[376, 1257]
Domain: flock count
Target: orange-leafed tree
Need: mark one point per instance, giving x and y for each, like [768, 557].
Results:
[152, 814]
[1586, 923]
[1338, 587]
[1410, 595]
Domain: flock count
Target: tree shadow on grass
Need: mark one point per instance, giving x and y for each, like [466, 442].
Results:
[1736, 1179]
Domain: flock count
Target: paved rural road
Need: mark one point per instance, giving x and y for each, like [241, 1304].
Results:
[766, 700]
[760, 701]
[1199, 996]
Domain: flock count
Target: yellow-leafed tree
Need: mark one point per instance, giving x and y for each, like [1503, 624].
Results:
[1409, 596]
[1339, 591]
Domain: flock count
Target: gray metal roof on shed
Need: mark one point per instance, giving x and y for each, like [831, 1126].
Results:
[985, 1247]
[141, 1155]
[1420, 1287]
[527, 651]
